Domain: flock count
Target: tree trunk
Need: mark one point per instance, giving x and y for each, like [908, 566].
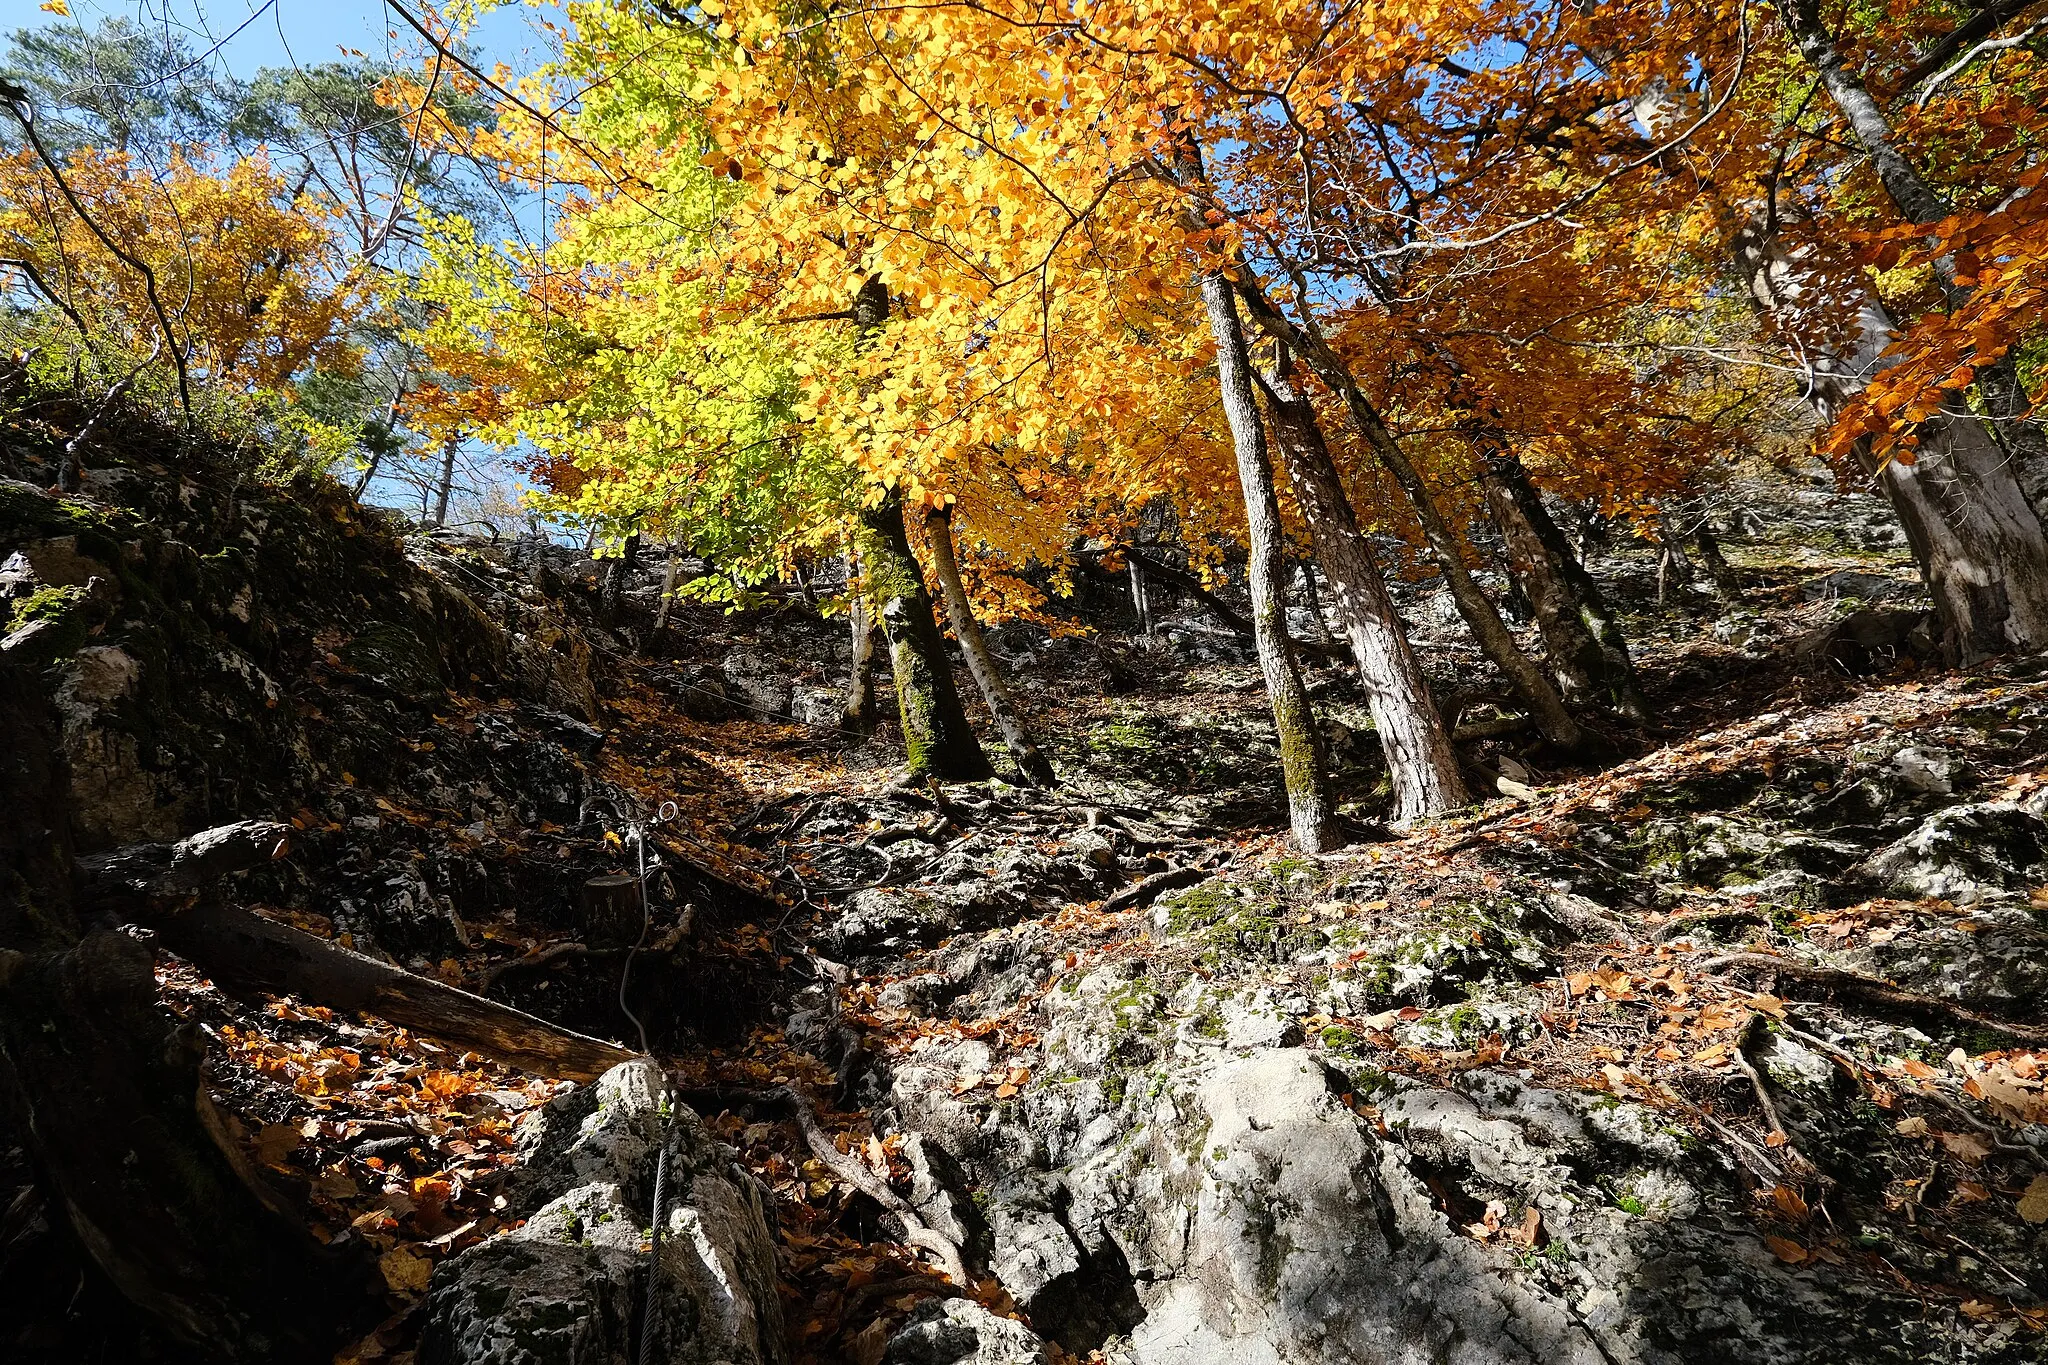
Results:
[1421, 764]
[1301, 747]
[1545, 707]
[937, 740]
[1141, 597]
[1978, 543]
[246, 955]
[1921, 203]
[1312, 599]
[1580, 634]
[615, 579]
[446, 484]
[1035, 767]
[668, 598]
[859, 716]
[1727, 583]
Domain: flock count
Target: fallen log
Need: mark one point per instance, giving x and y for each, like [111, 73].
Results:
[246, 954]
[146, 879]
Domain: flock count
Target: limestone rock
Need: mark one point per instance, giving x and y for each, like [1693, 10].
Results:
[566, 1288]
[1965, 853]
[758, 683]
[962, 1332]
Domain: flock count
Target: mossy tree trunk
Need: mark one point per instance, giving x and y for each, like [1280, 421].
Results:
[1301, 748]
[1421, 764]
[937, 739]
[1032, 763]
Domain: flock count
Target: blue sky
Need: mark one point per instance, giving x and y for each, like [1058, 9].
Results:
[245, 36]
[279, 32]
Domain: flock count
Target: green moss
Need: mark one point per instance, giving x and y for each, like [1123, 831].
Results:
[45, 604]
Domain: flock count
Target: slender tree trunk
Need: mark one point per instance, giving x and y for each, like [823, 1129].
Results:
[1312, 597]
[1421, 764]
[937, 740]
[1141, 597]
[858, 719]
[1528, 681]
[1580, 634]
[1301, 747]
[1674, 570]
[446, 484]
[1034, 765]
[668, 594]
[615, 579]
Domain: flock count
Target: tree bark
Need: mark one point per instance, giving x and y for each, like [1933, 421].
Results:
[1141, 596]
[1727, 583]
[668, 599]
[1033, 764]
[1977, 540]
[1967, 515]
[246, 954]
[858, 718]
[446, 484]
[1528, 681]
[1312, 600]
[615, 579]
[937, 740]
[1581, 636]
[1301, 748]
[1422, 767]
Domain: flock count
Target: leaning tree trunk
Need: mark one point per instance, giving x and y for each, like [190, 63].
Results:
[1545, 707]
[1301, 747]
[1976, 537]
[1727, 583]
[1421, 764]
[1036, 768]
[1920, 202]
[1580, 634]
[106, 1091]
[937, 739]
[1979, 545]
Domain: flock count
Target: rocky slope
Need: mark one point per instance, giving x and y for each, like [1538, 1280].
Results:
[1729, 1050]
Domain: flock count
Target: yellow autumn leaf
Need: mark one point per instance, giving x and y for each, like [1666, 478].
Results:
[2034, 1202]
[405, 1271]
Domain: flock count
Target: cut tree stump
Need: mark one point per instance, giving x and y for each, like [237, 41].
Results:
[611, 912]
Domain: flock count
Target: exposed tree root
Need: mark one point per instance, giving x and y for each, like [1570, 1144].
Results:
[1867, 991]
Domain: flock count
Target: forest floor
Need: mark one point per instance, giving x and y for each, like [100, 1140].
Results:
[1722, 878]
